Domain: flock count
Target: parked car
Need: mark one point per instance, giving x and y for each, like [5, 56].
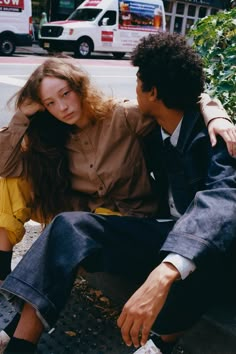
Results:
[112, 26]
[16, 26]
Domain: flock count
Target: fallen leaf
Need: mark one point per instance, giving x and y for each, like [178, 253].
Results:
[104, 299]
[70, 333]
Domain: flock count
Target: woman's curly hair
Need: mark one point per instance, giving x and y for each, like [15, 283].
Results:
[47, 166]
[167, 62]
[94, 105]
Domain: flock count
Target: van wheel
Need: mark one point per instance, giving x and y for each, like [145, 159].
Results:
[84, 48]
[7, 46]
[118, 55]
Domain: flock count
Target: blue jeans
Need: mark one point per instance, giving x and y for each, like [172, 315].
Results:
[121, 245]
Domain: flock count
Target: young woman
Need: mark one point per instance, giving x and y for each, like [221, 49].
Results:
[68, 147]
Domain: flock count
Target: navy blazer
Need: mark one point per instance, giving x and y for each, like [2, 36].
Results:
[203, 184]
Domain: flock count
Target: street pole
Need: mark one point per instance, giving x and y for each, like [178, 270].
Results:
[49, 10]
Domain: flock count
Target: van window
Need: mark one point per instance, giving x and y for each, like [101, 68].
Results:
[111, 15]
[84, 14]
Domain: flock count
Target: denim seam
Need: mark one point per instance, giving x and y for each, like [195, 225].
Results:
[193, 237]
[35, 290]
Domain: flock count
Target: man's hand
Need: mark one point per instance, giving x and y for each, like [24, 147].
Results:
[29, 107]
[226, 130]
[141, 310]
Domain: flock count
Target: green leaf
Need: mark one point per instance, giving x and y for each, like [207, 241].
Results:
[214, 37]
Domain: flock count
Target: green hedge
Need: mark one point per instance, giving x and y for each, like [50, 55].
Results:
[214, 37]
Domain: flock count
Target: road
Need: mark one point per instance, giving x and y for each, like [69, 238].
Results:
[113, 77]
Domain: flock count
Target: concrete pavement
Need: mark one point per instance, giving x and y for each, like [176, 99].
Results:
[88, 324]
[35, 50]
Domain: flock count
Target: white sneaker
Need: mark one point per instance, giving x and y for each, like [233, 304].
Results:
[4, 340]
[148, 348]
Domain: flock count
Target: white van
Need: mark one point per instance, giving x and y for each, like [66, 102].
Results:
[16, 27]
[113, 26]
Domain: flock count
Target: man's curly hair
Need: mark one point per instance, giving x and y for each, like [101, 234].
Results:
[167, 62]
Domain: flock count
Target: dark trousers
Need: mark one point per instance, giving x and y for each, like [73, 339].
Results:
[121, 245]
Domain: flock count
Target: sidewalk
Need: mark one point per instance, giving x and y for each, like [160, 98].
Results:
[34, 50]
[37, 50]
[88, 323]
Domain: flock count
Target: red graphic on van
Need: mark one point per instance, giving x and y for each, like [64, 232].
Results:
[107, 36]
[17, 4]
[92, 3]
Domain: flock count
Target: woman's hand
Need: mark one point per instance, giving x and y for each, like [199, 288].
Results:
[226, 130]
[30, 107]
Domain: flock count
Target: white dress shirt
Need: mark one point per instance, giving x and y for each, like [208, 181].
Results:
[184, 265]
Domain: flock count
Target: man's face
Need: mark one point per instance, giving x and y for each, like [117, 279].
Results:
[142, 98]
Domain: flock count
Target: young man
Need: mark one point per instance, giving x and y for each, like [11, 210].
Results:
[179, 254]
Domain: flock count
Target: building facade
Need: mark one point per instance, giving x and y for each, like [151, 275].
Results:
[180, 14]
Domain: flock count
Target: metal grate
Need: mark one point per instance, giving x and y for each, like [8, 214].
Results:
[84, 327]
[51, 31]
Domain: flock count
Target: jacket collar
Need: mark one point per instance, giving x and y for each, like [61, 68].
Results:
[189, 122]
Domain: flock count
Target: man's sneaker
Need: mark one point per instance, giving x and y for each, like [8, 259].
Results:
[148, 348]
[164, 347]
[4, 340]
[178, 349]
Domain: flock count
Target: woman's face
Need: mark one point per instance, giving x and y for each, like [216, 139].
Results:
[61, 101]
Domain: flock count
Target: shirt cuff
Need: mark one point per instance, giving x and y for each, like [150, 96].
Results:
[182, 264]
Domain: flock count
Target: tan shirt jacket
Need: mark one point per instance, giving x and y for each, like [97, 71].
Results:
[106, 159]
